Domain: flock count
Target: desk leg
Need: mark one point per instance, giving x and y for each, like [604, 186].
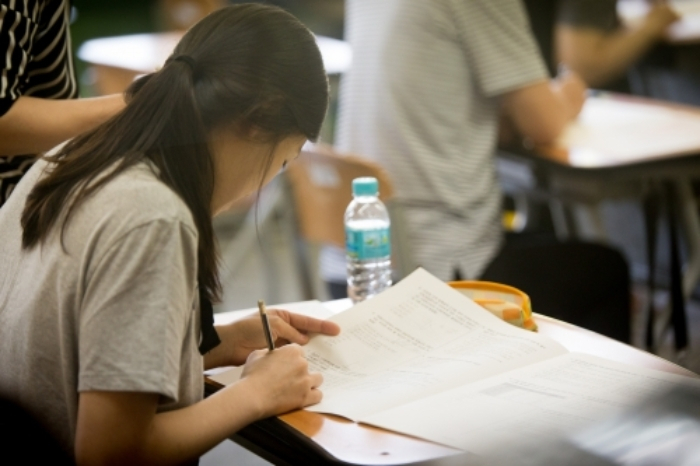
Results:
[691, 229]
[560, 220]
[589, 222]
[690, 224]
[655, 329]
[679, 317]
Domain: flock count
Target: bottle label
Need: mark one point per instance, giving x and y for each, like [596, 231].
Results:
[367, 244]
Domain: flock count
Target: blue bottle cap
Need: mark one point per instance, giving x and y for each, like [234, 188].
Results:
[365, 186]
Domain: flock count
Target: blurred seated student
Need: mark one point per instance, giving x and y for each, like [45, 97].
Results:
[587, 36]
[39, 107]
[423, 98]
[600, 57]
[109, 259]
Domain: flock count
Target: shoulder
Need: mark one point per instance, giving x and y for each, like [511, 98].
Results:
[138, 197]
[133, 203]
[474, 18]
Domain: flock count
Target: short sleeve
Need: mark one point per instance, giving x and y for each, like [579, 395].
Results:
[595, 14]
[17, 31]
[499, 44]
[137, 308]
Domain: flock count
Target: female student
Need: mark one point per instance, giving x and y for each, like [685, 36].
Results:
[109, 258]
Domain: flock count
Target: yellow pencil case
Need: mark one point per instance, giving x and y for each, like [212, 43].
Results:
[503, 301]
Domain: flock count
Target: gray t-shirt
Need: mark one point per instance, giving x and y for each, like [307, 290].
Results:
[422, 99]
[115, 309]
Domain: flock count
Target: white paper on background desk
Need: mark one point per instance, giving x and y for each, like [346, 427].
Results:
[542, 402]
[613, 131]
[415, 339]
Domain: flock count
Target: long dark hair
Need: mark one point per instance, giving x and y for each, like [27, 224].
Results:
[250, 66]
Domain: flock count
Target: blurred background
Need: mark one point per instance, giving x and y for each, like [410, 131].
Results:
[104, 18]
[260, 249]
[259, 246]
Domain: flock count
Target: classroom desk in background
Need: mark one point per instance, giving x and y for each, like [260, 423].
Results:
[620, 147]
[303, 437]
[114, 62]
[683, 32]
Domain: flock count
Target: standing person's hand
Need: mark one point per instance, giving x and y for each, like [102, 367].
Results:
[242, 337]
[571, 90]
[281, 380]
[659, 18]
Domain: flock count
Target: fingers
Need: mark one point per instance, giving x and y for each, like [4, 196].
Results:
[284, 376]
[283, 331]
[314, 396]
[294, 327]
[316, 379]
[308, 324]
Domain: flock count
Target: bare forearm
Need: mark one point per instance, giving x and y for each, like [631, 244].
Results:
[123, 427]
[168, 438]
[537, 112]
[542, 110]
[35, 125]
[188, 433]
[606, 57]
[222, 354]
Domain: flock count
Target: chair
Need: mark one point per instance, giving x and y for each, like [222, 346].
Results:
[320, 183]
[242, 230]
[585, 284]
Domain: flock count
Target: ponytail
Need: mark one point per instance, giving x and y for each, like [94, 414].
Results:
[214, 78]
[161, 123]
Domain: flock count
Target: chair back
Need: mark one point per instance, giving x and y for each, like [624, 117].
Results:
[321, 185]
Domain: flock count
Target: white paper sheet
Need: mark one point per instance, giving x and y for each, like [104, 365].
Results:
[540, 401]
[417, 338]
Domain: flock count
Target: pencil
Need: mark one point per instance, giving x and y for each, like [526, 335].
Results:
[266, 325]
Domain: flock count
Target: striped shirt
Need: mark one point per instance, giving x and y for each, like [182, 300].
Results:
[35, 60]
[422, 99]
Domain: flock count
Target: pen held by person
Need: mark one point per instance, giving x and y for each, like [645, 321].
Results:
[266, 326]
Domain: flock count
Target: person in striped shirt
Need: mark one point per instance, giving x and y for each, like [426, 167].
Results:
[39, 107]
[423, 98]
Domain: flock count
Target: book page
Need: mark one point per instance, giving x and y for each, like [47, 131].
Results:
[417, 338]
[543, 401]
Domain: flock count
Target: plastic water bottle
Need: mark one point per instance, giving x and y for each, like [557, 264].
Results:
[368, 241]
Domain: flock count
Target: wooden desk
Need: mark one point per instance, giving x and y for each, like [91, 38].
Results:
[285, 440]
[116, 61]
[684, 31]
[621, 147]
[619, 132]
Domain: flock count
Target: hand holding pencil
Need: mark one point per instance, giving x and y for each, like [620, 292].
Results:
[280, 380]
[242, 337]
[293, 386]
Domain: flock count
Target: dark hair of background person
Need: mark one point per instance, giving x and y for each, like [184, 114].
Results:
[253, 66]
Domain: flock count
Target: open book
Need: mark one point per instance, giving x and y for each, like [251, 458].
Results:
[424, 360]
